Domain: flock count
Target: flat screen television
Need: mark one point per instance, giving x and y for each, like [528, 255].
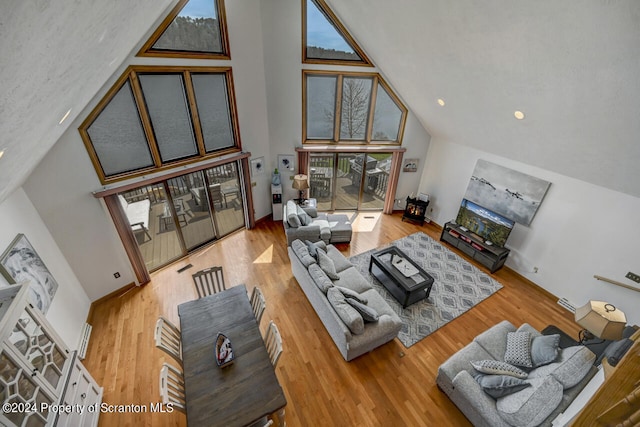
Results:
[485, 223]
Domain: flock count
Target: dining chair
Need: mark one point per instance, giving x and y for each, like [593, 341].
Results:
[168, 339]
[273, 342]
[209, 281]
[172, 387]
[257, 303]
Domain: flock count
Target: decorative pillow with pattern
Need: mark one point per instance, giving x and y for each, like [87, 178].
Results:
[518, 349]
[497, 367]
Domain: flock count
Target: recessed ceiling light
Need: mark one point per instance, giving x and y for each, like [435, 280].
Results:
[65, 116]
[441, 102]
[1, 153]
[519, 114]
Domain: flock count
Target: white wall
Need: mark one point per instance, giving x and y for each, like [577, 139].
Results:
[580, 229]
[70, 305]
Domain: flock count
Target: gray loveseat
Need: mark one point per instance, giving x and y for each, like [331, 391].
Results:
[306, 223]
[551, 387]
[351, 345]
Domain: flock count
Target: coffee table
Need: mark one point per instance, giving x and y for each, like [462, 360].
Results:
[407, 290]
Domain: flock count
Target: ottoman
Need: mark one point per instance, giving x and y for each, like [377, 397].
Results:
[340, 228]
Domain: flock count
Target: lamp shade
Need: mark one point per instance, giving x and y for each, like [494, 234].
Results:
[300, 182]
[601, 319]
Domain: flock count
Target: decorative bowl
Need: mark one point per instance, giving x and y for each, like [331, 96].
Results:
[224, 351]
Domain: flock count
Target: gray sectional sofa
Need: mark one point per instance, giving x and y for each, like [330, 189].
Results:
[311, 278]
[306, 223]
[549, 389]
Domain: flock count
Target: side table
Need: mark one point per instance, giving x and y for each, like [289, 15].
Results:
[565, 339]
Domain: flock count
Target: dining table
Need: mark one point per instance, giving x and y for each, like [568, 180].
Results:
[241, 393]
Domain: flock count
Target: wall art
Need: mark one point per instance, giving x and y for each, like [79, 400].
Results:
[20, 262]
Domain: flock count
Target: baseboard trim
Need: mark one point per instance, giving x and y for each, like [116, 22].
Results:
[114, 294]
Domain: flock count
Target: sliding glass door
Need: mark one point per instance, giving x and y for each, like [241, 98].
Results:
[173, 217]
[349, 181]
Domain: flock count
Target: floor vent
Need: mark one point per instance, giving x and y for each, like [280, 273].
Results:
[84, 340]
[566, 304]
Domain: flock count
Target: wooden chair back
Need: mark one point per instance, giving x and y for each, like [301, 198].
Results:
[172, 387]
[273, 342]
[168, 338]
[258, 303]
[209, 281]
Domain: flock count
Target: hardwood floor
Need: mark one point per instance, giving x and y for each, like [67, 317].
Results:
[392, 385]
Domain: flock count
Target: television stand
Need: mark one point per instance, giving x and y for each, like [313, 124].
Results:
[490, 256]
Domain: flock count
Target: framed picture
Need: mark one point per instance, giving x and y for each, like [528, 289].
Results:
[257, 166]
[410, 165]
[20, 262]
[285, 162]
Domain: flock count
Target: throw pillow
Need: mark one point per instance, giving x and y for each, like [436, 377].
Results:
[498, 368]
[616, 350]
[302, 252]
[312, 248]
[350, 294]
[320, 278]
[369, 314]
[500, 385]
[305, 219]
[518, 349]
[544, 349]
[312, 212]
[347, 314]
[326, 264]
[292, 215]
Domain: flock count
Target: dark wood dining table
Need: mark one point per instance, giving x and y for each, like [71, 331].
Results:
[241, 393]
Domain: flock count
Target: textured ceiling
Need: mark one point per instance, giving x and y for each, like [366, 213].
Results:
[574, 72]
[573, 68]
[55, 56]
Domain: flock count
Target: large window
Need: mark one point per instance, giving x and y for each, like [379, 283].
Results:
[325, 39]
[354, 108]
[193, 29]
[160, 117]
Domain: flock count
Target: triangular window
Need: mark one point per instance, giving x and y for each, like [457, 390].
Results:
[325, 39]
[193, 29]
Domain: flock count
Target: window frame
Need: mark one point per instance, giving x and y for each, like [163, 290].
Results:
[333, 19]
[147, 48]
[337, 115]
[131, 75]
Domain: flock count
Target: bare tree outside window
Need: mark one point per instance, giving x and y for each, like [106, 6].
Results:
[356, 96]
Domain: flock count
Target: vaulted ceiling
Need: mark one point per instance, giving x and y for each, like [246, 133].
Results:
[573, 68]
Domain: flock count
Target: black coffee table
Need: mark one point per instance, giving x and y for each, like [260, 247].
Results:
[407, 290]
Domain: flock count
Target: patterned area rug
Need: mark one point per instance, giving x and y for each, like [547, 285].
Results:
[457, 286]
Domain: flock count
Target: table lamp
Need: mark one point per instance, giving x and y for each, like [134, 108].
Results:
[600, 320]
[301, 183]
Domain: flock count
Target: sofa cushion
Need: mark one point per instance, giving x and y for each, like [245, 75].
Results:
[352, 279]
[531, 406]
[302, 252]
[339, 261]
[497, 367]
[572, 365]
[311, 211]
[369, 314]
[320, 278]
[494, 339]
[326, 264]
[304, 218]
[518, 350]
[349, 294]
[347, 314]
[544, 349]
[292, 214]
[500, 385]
[325, 230]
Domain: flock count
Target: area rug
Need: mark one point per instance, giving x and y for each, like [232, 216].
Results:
[457, 286]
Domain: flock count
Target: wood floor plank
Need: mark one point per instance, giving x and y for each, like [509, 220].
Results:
[392, 385]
